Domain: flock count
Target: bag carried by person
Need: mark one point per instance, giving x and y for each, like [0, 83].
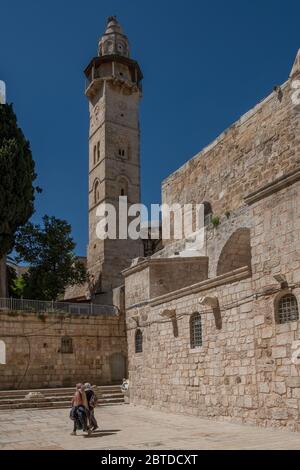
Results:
[73, 413]
[93, 401]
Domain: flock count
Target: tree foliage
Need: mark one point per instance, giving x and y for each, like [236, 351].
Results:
[17, 175]
[50, 252]
[16, 285]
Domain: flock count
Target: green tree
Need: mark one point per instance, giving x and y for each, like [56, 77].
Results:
[16, 285]
[17, 175]
[50, 252]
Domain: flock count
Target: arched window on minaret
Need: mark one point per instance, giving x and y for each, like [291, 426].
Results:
[97, 192]
[98, 152]
[123, 186]
[95, 154]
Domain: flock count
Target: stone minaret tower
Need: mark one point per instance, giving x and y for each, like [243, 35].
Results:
[114, 90]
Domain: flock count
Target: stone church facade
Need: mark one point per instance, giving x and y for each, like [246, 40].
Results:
[217, 334]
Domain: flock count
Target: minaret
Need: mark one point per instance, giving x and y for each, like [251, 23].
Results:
[114, 91]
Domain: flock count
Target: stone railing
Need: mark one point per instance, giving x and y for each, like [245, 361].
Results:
[41, 306]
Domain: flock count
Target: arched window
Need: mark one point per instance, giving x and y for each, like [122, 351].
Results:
[95, 154]
[287, 309]
[196, 331]
[66, 345]
[123, 187]
[98, 152]
[2, 352]
[97, 192]
[138, 342]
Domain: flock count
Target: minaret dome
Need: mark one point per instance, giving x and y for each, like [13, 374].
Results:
[113, 41]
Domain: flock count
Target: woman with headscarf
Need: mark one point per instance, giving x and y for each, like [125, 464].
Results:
[92, 403]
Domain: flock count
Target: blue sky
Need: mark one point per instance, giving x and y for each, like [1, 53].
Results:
[205, 63]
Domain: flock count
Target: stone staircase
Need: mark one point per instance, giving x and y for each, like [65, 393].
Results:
[55, 398]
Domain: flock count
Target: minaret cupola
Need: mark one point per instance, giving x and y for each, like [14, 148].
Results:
[113, 41]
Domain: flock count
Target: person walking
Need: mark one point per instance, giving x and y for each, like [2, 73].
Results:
[79, 411]
[92, 403]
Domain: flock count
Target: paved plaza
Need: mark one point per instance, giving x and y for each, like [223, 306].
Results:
[129, 427]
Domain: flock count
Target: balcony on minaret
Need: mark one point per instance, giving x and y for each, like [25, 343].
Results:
[120, 71]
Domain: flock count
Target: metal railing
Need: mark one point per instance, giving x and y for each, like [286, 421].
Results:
[41, 306]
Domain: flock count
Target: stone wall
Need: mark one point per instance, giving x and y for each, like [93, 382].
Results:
[276, 250]
[260, 147]
[35, 345]
[246, 369]
[154, 277]
[210, 381]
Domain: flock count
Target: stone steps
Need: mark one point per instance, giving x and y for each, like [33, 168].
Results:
[12, 401]
[55, 398]
[56, 391]
[7, 398]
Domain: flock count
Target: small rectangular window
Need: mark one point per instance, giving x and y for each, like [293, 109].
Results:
[66, 345]
[138, 342]
[196, 331]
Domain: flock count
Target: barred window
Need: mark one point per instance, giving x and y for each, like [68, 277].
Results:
[66, 345]
[287, 310]
[138, 342]
[196, 331]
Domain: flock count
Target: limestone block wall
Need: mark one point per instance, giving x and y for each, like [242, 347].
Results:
[276, 250]
[35, 356]
[260, 147]
[216, 380]
[244, 370]
[137, 286]
[155, 277]
[174, 273]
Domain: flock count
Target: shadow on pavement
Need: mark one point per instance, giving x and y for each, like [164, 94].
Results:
[109, 432]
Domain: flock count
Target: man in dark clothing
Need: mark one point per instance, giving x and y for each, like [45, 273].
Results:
[92, 403]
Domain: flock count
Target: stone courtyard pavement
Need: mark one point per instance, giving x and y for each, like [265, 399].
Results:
[129, 427]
